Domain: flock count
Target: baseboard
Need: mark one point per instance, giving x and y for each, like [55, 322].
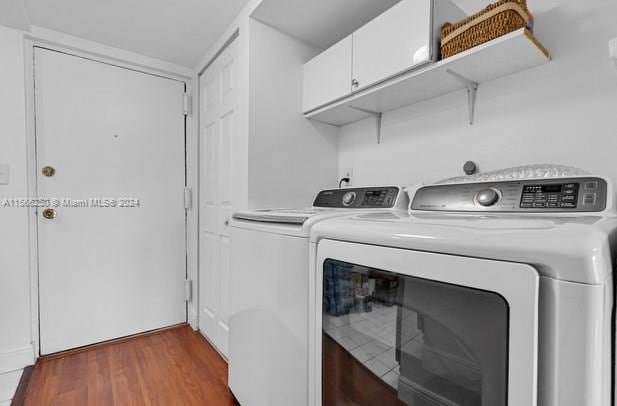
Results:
[8, 385]
[11, 366]
[16, 359]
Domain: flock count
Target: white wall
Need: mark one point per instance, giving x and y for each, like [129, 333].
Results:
[290, 158]
[564, 112]
[15, 336]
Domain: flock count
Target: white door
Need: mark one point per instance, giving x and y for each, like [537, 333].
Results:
[392, 43]
[115, 138]
[218, 115]
[327, 77]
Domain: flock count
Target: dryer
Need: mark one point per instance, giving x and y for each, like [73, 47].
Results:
[489, 294]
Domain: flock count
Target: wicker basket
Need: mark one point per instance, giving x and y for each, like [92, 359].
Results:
[498, 19]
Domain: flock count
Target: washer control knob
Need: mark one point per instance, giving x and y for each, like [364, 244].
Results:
[348, 198]
[487, 197]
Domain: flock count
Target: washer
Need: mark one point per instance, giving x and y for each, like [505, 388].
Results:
[269, 282]
[495, 293]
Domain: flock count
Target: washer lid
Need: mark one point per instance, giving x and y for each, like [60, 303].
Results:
[577, 249]
[280, 216]
[332, 202]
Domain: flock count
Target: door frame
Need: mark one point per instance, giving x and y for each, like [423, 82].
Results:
[127, 60]
[519, 289]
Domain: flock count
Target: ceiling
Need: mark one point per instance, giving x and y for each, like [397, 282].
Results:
[178, 31]
[320, 22]
[13, 14]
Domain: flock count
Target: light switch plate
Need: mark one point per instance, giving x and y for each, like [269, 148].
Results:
[612, 46]
[4, 174]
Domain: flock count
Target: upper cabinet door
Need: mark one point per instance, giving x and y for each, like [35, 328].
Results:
[392, 43]
[327, 77]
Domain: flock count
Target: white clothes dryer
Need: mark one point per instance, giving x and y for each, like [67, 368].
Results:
[485, 294]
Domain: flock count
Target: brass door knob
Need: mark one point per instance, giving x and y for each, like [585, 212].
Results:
[49, 214]
[48, 171]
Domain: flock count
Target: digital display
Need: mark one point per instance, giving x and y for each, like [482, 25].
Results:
[550, 196]
[375, 198]
[542, 189]
[374, 193]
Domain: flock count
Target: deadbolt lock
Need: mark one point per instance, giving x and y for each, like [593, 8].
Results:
[48, 171]
[49, 214]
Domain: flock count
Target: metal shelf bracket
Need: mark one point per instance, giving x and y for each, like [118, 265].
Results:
[378, 116]
[472, 92]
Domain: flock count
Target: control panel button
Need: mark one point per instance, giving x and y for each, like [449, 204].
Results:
[591, 185]
[589, 198]
[348, 198]
[487, 197]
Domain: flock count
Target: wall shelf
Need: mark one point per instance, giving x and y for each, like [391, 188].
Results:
[506, 55]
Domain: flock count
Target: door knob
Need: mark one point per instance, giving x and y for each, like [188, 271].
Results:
[48, 171]
[49, 214]
[355, 83]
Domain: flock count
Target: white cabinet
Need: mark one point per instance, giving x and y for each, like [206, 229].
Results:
[503, 56]
[392, 43]
[402, 38]
[327, 77]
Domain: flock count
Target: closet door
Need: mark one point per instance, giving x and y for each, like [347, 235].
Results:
[218, 119]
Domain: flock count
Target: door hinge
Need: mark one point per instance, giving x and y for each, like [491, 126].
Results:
[187, 104]
[188, 198]
[188, 290]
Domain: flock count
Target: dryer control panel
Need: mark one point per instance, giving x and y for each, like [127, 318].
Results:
[587, 194]
[359, 198]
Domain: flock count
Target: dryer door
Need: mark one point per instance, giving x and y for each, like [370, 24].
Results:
[400, 327]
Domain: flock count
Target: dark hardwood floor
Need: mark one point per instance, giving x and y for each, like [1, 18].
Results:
[171, 367]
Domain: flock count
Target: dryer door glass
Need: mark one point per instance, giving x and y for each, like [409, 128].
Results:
[392, 339]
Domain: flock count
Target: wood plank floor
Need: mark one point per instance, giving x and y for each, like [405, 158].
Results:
[172, 367]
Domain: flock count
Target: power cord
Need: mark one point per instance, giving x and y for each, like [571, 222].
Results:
[346, 180]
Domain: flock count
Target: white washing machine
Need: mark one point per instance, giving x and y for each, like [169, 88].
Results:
[487, 294]
[269, 282]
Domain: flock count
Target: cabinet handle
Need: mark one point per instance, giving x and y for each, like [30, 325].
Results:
[355, 83]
